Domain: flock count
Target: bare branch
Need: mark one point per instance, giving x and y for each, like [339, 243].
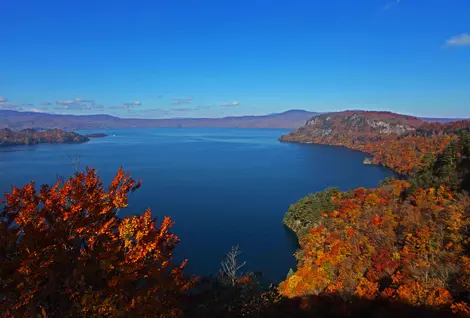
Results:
[229, 273]
[75, 162]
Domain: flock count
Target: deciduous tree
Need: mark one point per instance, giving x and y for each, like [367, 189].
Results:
[64, 252]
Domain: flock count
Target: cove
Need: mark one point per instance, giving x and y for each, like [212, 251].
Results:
[222, 187]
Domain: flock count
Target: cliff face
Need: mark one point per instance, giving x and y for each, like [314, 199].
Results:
[358, 127]
[399, 142]
[355, 123]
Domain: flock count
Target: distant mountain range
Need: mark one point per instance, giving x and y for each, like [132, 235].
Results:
[290, 119]
[23, 120]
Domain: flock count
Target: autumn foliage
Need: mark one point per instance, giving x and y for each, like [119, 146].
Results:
[403, 154]
[65, 252]
[405, 241]
[376, 245]
[402, 143]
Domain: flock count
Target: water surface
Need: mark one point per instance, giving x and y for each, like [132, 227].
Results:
[221, 186]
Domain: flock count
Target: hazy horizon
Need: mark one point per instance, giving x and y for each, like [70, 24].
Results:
[225, 116]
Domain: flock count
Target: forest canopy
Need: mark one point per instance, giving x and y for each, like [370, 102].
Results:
[406, 240]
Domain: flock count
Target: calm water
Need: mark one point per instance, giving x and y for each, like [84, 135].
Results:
[221, 186]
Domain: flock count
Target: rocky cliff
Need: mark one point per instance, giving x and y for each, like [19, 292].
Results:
[354, 123]
[399, 142]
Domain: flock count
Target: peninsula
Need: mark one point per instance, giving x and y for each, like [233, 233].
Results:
[31, 137]
[399, 142]
[403, 241]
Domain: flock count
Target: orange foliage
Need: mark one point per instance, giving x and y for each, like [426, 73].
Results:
[461, 308]
[366, 289]
[402, 143]
[379, 245]
[64, 251]
[399, 241]
[405, 155]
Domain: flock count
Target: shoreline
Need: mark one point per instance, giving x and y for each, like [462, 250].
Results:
[368, 157]
[33, 137]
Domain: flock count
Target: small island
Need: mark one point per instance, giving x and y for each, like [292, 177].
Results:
[27, 137]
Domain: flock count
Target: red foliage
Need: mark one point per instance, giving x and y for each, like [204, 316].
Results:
[402, 143]
[379, 245]
[64, 251]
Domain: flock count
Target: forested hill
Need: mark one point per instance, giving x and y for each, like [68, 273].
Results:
[399, 142]
[371, 122]
[31, 137]
[404, 242]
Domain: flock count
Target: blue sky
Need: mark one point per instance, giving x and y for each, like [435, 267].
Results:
[188, 58]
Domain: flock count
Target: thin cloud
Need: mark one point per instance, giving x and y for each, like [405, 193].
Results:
[128, 105]
[74, 105]
[3, 99]
[153, 111]
[96, 106]
[81, 100]
[203, 107]
[235, 103]
[459, 40]
[35, 110]
[27, 105]
[183, 109]
[9, 106]
[131, 104]
[180, 101]
[46, 104]
[391, 4]
[65, 102]
[189, 109]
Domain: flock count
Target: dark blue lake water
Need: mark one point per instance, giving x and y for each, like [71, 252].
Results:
[221, 186]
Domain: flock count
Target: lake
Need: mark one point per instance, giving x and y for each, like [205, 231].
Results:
[222, 187]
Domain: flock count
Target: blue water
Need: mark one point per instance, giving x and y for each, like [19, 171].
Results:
[221, 186]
